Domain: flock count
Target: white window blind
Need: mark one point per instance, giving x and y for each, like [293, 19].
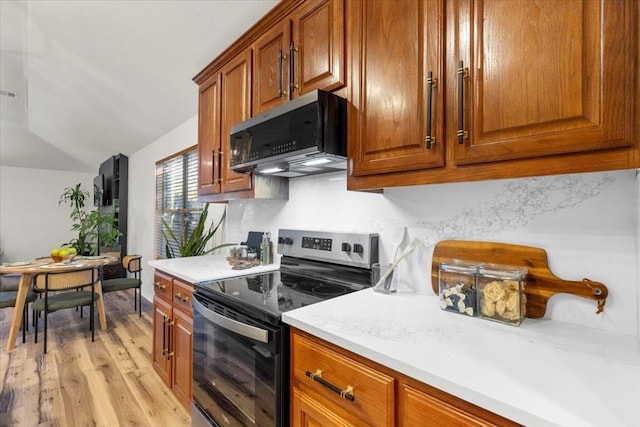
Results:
[176, 197]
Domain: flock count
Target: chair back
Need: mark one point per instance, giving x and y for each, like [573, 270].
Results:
[132, 263]
[60, 280]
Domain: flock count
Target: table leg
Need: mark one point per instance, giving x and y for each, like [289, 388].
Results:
[100, 306]
[18, 310]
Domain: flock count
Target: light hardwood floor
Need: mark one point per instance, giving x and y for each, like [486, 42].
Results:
[109, 382]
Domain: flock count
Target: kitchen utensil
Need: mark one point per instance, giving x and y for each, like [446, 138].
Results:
[406, 251]
[390, 282]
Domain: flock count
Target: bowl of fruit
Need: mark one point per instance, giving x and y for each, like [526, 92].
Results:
[64, 254]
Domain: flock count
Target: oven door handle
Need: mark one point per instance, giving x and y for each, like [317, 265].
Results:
[258, 334]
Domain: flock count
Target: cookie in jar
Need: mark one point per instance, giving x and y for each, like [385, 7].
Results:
[457, 287]
[501, 294]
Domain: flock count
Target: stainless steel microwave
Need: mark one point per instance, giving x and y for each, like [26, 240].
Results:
[304, 136]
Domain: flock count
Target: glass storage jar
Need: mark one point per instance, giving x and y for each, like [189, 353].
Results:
[501, 294]
[457, 283]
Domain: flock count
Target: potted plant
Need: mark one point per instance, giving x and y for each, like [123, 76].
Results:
[194, 243]
[93, 227]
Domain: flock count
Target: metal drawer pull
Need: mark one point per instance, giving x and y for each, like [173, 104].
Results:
[345, 394]
[181, 297]
[158, 285]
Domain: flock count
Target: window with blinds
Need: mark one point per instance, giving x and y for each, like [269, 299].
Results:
[176, 197]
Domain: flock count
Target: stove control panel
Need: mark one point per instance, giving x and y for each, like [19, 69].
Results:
[353, 249]
[316, 243]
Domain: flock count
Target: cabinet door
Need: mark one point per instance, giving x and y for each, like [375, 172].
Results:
[162, 313]
[541, 78]
[307, 412]
[181, 356]
[319, 46]
[395, 45]
[235, 92]
[271, 68]
[417, 408]
[209, 136]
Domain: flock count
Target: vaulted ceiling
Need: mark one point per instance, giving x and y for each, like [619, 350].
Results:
[82, 80]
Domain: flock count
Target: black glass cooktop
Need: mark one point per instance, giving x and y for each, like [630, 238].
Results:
[279, 291]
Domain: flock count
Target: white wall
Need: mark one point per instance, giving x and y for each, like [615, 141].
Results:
[587, 223]
[31, 222]
[142, 189]
[638, 250]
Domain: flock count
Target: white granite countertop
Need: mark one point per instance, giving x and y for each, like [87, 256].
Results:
[208, 267]
[541, 373]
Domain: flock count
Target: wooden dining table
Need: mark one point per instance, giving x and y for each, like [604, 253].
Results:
[40, 265]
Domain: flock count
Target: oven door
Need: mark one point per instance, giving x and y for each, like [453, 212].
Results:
[237, 367]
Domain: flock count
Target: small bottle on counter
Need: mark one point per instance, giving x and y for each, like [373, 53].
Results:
[264, 250]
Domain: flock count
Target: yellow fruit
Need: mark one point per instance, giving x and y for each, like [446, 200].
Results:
[72, 250]
[55, 251]
[64, 253]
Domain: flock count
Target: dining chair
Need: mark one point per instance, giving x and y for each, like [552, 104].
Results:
[133, 266]
[63, 290]
[8, 294]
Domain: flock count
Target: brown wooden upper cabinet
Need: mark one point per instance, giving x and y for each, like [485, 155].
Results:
[235, 105]
[467, 90]
[302, 52]
[209, 178]
[396, 115]
[225, 99]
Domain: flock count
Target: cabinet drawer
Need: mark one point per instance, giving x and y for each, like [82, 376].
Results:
[373, 391]
[163, 286]
[182, 292]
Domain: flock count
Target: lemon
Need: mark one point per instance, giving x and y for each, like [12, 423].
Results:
[55, 251]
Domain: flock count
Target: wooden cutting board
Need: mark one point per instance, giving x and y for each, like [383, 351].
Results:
[541, 284]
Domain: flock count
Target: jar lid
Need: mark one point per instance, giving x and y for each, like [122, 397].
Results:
[460, 266]
[502, 271]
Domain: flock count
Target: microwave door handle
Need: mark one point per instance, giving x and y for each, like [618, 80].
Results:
[239, 328]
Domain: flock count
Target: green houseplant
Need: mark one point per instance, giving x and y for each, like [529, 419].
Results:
[93, 226]
[194, 243]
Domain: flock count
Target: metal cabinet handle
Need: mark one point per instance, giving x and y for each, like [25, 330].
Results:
[213, 169]
[462, 74]
[159, 285]
[347, 393]
[281, 92]
[292, 79]
[431, 83]
[170, 324]
[164, 335]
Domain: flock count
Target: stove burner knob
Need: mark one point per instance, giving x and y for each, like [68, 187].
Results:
[288, 241]
[357, 248]
[346, 247]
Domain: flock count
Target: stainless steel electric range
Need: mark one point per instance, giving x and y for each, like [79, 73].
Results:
[240, 344]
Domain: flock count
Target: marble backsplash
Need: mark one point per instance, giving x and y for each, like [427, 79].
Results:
[587, 223]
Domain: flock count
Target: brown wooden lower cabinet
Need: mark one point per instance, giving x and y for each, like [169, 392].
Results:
[173, 335]
[381, 396]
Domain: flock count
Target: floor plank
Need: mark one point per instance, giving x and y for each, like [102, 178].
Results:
[109, 382]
